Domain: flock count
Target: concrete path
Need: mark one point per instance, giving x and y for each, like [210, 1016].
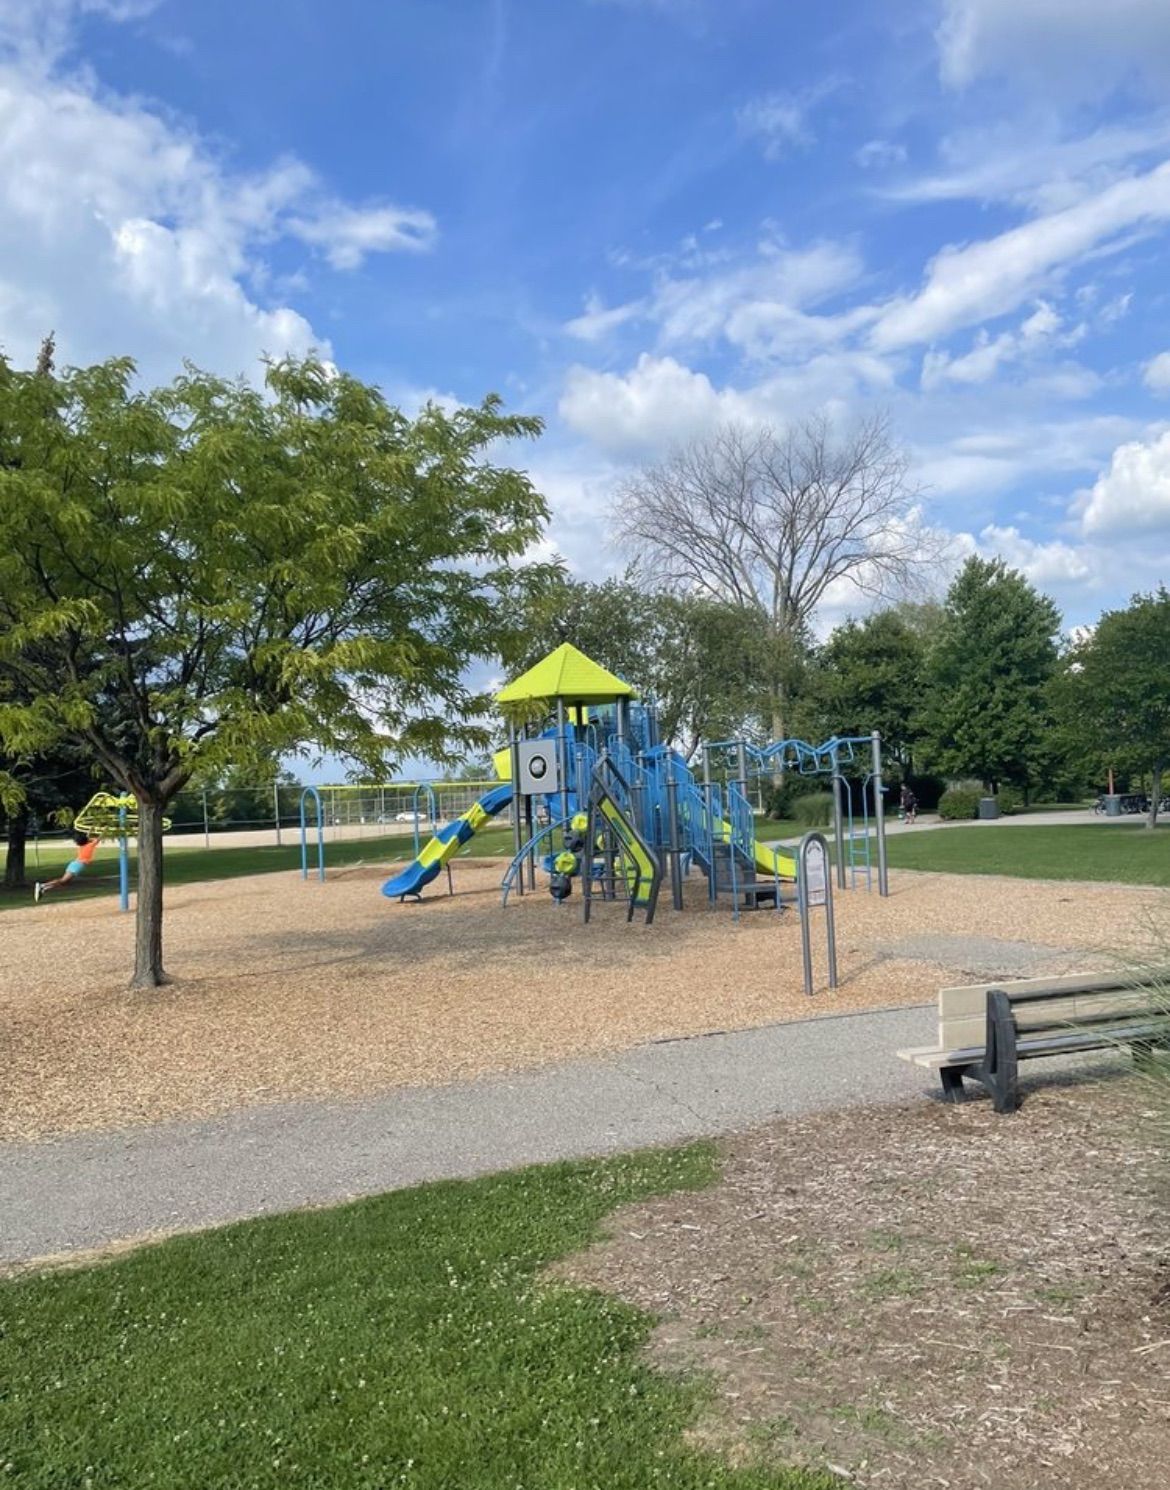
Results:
[96, 1188]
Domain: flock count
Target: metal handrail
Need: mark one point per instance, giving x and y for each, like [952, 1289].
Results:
[513, 868]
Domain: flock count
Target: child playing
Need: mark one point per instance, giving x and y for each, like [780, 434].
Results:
[87, 846]
[909, 806]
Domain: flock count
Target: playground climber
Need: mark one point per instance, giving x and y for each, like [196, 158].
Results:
[87, 846]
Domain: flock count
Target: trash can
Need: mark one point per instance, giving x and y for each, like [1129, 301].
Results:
[1113, 804]
[988, 808]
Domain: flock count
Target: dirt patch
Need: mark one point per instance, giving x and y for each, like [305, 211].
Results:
[290, 989]
[924, 1295]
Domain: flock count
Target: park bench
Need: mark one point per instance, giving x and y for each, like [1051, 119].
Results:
[986, 1029]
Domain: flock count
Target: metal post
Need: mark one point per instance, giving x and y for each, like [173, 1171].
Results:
[123, 862]
[563, 756]
[741, 750]
[838, 816]
[879, 814]
[276, 809]
[513, 747]
[206, 824]
[676, 884]
[809, 895]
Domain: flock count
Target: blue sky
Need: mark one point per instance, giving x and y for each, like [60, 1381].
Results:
[639, 218]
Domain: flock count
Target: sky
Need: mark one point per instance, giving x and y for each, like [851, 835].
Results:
[638, 219]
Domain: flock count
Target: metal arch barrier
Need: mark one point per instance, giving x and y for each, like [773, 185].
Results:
[814, 887]
[311, 791]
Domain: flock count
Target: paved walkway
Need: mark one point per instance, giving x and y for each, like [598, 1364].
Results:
[95, 1188]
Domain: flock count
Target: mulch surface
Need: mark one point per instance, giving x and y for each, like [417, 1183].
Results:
[923, 1295]
[289, 990]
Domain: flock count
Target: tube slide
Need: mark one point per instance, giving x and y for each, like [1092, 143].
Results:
[446, 842]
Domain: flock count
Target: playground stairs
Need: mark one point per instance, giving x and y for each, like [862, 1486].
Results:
[746, 885]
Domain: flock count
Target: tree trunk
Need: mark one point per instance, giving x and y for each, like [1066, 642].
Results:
[1155, 796]
[148, 963]
[14, 859]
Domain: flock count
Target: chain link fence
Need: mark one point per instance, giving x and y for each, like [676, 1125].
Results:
[243, 815]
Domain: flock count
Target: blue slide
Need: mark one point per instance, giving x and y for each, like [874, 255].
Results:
[446, 842]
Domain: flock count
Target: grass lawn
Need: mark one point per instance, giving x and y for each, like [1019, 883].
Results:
[185, 865]
[1124, 852]
[405, 1340]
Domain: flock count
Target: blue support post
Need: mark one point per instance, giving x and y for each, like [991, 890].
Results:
[123, 862]
[311, 791]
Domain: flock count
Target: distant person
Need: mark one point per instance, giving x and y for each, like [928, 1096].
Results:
[909, 805]
[87, 846]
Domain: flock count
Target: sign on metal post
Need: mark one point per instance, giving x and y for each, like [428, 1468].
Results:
[814, 888]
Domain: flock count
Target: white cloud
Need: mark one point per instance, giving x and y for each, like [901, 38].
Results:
[1156, 373]
[1133, 495]
[597, 320]
[1081, 48]
[1029, 161]
[781, 120]
[661, 402]
[657, 404]
[348, 235]
[976, 282]
[760, 307]
[1044, 563]
[989, 353]
[875, 154]
[125, 232]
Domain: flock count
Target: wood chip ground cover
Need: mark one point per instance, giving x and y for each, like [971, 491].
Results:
[288, 989]
[925, 1296]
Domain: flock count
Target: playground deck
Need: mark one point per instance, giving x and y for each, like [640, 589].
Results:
[295, 990]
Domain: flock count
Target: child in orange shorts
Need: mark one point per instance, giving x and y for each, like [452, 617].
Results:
[87, 846]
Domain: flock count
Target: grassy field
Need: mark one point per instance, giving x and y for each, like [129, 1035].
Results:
[404, 1340]
[1125, 852]
[186, 865]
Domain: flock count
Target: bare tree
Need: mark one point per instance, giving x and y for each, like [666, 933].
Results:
[771, 520]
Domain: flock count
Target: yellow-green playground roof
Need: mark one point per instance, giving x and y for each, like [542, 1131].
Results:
[569, 675]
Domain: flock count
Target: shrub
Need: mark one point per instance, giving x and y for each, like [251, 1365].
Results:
[778, 803]
[813, 809]
[959, 804]
[1010, 799]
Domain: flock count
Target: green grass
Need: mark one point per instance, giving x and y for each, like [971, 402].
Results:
[1125, 852]
[404, 1340]
[187, 865]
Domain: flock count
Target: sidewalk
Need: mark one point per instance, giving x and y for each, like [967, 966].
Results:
[92, 1189]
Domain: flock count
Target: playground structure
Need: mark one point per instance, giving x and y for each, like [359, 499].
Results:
[625, 815]
[110, 816]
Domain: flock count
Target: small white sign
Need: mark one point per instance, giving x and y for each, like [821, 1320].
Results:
[816, 872]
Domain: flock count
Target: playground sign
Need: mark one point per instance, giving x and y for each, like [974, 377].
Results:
[816, 871]
[814, 889]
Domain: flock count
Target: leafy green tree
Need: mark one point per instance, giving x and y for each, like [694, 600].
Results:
[210, 575]
[703, 662]
[986, 709]
[870, 674]
[49, 787]
[1119, 686]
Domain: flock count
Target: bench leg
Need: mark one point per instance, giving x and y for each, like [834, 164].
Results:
[952, 1082]
[999, 1072]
